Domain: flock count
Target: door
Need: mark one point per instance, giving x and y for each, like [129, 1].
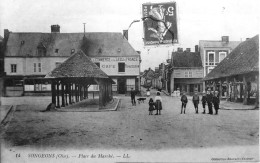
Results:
[121, 86]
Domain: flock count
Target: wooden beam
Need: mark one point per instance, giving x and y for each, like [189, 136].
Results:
[245, 90]
[53, 92]
[257, 93]
[235, 90]
[227, 95]
[58, 95]
[66, 94]
[62, 95]
[70, 93]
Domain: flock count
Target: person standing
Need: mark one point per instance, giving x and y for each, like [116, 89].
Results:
[204, 100]
[151, 106]
[196, 100]
[184, 101]
[216, 101]
[133, 97]
[158, 103]
[209, 101]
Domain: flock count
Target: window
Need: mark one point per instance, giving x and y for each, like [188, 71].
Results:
[186, 74]
[56, 50]
[39, 67]
[190, 74]
[13, 68]
[41, 51]
[34, 67]
[222, 55]
[211, 58]
[130, 83]
[98, 64]
[121, 67]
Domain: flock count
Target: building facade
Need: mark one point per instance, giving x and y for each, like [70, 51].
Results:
[30, 56]
[237, 76]
[213, 52]
[186, 72]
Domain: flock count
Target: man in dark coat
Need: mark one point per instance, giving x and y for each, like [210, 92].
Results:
[209, 101]
[204, 101]
[196, 100]
[216, 101]
[184, 101]
[133, 97]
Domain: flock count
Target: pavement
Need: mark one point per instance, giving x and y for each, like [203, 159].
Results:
[130, 127]
[4, 110]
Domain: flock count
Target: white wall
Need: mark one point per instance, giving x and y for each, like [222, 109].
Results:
[110, 65]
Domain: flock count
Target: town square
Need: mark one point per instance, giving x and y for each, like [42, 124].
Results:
[168, 81]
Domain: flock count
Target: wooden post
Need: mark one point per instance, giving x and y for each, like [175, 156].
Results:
[227, 94]
[220, 89]
[62, 96]
[66, 94]
[257, 93]
[58, 95]
[94, 94]
[76, 92]
[235, 89]
[241, 90]
[69, 89]
[87, 90]
[53, 92]
[244, 90]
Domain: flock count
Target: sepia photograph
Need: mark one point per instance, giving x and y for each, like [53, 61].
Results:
[129, 81]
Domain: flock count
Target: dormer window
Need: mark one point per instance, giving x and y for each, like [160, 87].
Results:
[22, 42]
[41, 50]
[56, 50]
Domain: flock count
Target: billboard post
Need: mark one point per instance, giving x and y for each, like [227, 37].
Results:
[159, 23]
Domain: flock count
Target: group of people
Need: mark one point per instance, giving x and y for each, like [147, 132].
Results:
[209, 99]
[155, 104]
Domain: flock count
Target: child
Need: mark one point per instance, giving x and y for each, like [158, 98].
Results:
[204, 100]
[184, 101]
[151, 107]
[158, 103]
[195, 100]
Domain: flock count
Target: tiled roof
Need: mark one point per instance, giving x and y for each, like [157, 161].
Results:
[78, 65]
[211, 43]
[243, 59]
[186, 59]
[96, 44]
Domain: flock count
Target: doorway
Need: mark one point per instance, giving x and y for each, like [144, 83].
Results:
[121, 85]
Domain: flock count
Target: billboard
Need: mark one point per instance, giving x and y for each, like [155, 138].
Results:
[159, 23]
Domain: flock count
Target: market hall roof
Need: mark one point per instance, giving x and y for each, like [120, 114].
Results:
[96, 44]
[186, 60]
[243, 59]
[77, 66]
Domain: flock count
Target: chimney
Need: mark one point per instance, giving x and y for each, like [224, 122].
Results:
[179, 50]
[187, 50]
[196, 48]
[225, 39]
[55, 28]
[125, 34]
[6, 34]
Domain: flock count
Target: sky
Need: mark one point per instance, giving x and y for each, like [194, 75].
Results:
[197, 20]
